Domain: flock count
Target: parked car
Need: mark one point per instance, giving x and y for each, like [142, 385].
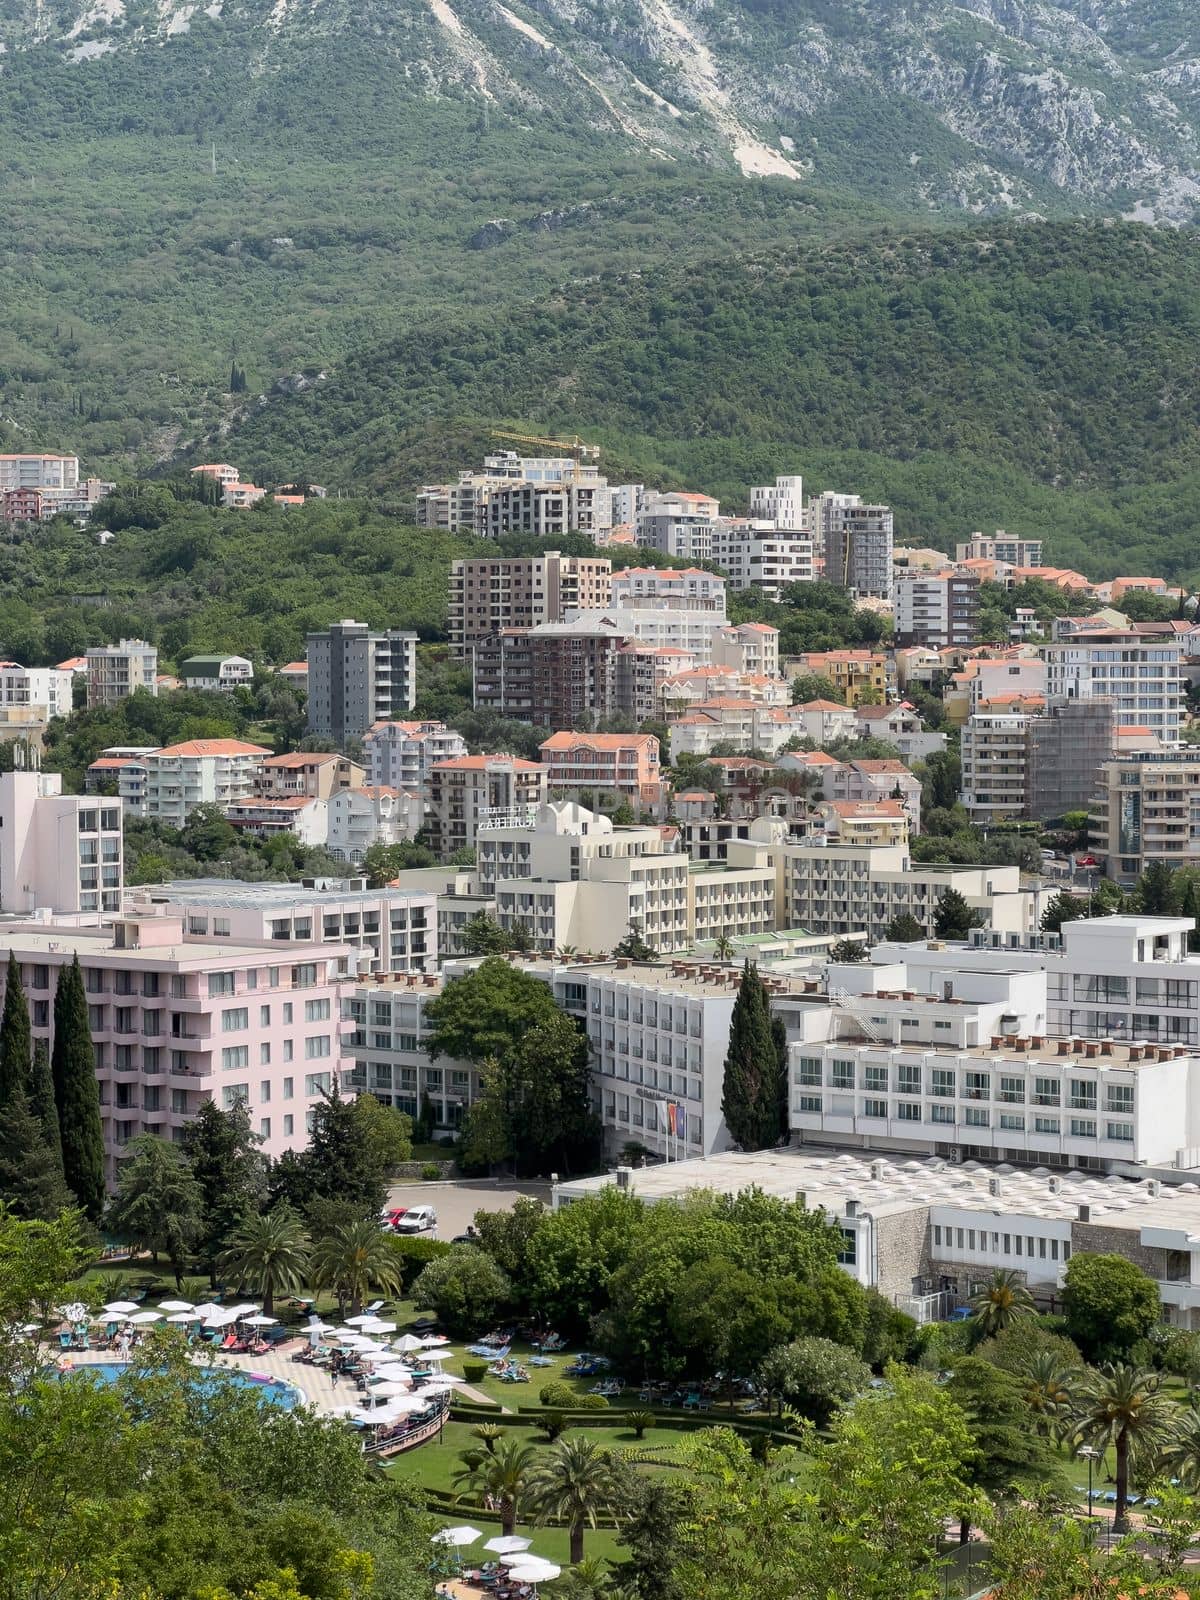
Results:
[416, 1219]
[390, 1216]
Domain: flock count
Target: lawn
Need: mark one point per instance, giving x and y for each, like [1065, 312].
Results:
[434, 1465]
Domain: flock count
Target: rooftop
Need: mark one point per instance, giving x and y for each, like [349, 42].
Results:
[214, 747]
[226, 893]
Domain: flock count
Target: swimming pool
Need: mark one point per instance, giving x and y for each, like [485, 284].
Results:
[284, 1395]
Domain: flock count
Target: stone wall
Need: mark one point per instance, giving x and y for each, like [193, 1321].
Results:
[903, 1248]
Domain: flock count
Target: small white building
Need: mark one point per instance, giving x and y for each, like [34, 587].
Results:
[32, 696]
[58, 852]
[372, 814]
[222, 674]
[181, 777]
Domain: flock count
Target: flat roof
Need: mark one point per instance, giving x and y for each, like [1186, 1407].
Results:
[892, 1185]
[48, 939]
[224, 893]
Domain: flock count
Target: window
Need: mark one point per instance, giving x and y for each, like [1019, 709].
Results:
[908, 1111]
[977, 1086]
[317, 1083]
[875, 1078]
[976, 1117]
[316, 1011]
[1012, 1121]
[264, 1016]
[808, 1073]
[808, 1104]
[220, 983]
[1012, 1090]
[235, 1094]
[1047, 1092]
[234, 1057]
[1083, 1095]
[943, 1083]
[304, 974]
[316, 1047]
[842, 1075]
[264, 1091]
[287, 1013]
[264, 1055]
[289, 1125]
[1119, 1097]
[908, 1078]
[264, 1127]
[1046, 1124]
[288, 1088]
[1122, 1131]
[876, 1109]
[235, 1019]
[287, 1049]
[1083, 1128]
[941, 1114]
[1102, 990]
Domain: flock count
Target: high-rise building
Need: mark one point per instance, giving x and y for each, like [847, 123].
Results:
[39, 472]
[781, 503]
[858, 550]
[937, 608]
[116, 670]
[357, 677]
[474, 790]
[58, 852]
[488, 594]
[1029, 763]
[1141, 673]
[1000, 546]
[400, 755]
[1147, 808]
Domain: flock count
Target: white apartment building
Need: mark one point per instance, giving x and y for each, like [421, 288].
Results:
[1008, 548]
[758, 555]
[625, 502]
[838, 889]
[781, 503]
[116, 670]
[58, 853]
[31, 696]
[400, 755]
[901, 726]
[679, 524]
[824, 511]
[995, 758]
[304, 817]
[373, 814]
[465, 793]
[387, 1053]
[387, 930]
[38, 472]
[744, 723]
[683, 587]
[1141, 674]
[180, 777]
[222, 674]
[751, 648]
[683, 629]
[176, 1022]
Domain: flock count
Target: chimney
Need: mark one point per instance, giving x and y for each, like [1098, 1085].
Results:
[997, 1040]
[1078, 1046]
[1166, 1055]
[1106, 1047]
[1085, 1214]
[1037, 1041]
[1135, 1052]
[1064, 1047]
[851, 1209]
[1091, 1050]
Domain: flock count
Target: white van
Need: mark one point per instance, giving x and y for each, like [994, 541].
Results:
[417, 1219]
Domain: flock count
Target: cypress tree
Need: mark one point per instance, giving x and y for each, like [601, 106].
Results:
[16, 1041]
[76, 1093]
[783, 1081]
[41, 1100]
[31, 1181]
[750, 1098]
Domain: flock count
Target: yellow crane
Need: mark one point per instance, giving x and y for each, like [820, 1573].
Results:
[575, 447]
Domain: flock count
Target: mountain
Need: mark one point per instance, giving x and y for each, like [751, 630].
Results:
[281, 184]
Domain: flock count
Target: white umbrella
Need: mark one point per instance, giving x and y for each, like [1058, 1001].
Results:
[437, 1386]
[363, 1316]
[175, 1305]
[121, 1308]
[407, 1343]
[246, 1310]
[535, 1572]
[437, 1355]
[317, 1326]
[182, 1316]
[261, 1322]
[377, 1326]
[388, 1387]
[219, 1319]
[345, 1411]
[428, 1342]
[75, 1312]
[457, 1536]
[209, 1309]
[370, 1347]
[504, 1544]
[141, 1317]
[394, 1372]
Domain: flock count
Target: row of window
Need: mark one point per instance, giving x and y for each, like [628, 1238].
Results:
[235, 1018]
[303, 976]
[971, 1117]
[943, 1083]
[236, 1057]
[984, 1241]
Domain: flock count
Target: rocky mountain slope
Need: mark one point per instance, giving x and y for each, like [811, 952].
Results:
[986, 106]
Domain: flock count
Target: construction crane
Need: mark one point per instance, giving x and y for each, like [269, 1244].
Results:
[575, 447]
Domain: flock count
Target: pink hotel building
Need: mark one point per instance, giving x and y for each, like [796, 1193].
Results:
[176, 1021]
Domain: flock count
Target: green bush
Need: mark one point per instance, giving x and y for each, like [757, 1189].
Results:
[475, 1371]
[418, 1249]
[431, 1172]
[557, 1393]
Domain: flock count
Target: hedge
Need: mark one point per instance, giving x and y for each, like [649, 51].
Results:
[681, 1421]
[411, 1247]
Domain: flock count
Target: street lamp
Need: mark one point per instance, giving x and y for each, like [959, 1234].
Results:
[1089, 1455]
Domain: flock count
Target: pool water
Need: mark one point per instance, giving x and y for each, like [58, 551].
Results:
[284, 1395]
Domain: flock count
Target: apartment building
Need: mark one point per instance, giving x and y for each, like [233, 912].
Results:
[679, 524]
[857, 675]
[875, 780]
[863, 822]
[521, 592]
[357, 678]
[837, 889]
[304, 817]
[563, 673]
[683, 630]
[1026, 763]
[116, 670]
[400, 755]
[30, 697]
[220, 471]
[1146, 808]
[1009, 676]
[372, 814]
[759, 555]
[317, 774]
[624, 764]
[1007, 548]
[780, 503]
[899, 725]
[38, 472]
[470, 790]
[937, 608]
[180, 777]
[739, 721]
[387, 930]
[1141, 673]
[751, 648]
[387, 1054]
[220, 674]
[241, 496]
[59, 853]
[543, 510]
[824, 722]
[858, 549]
[680, 587]
[737, 897]
[176, 1022]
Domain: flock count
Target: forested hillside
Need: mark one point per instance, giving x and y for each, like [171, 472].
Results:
[1041, 378]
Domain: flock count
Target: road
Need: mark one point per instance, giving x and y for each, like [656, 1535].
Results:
[457, 1203]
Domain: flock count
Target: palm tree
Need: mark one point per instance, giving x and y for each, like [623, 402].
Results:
[1049, 1391]
[505, 1475]
[1181, 1452]
[489, 1435]
[269, 1254]
[1000, 1302]
[1122, 1406]
[353, 1259]
[723, 948]
[576, 1480]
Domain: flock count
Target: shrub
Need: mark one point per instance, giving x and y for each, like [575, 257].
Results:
[589, 1402]
[557, 1393]
[465, 1288]
[414, 1248]
[639, 1421]
[552, 1424]
[475, 1371]
[431, 1172]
